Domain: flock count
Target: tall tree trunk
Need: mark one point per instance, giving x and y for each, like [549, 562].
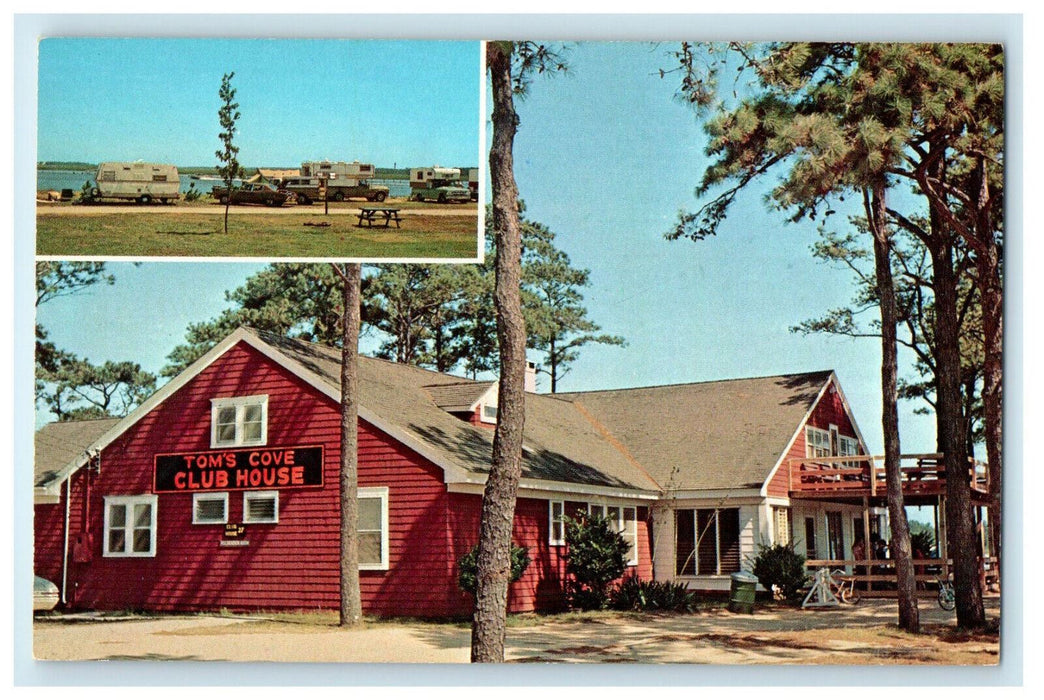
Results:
[950, 435]
[987, 265]
[980, 237]
[906, 583]
[351, 598]
[498, 499]
[553, 357]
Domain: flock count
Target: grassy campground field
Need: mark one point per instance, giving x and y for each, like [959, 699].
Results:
[254, 231]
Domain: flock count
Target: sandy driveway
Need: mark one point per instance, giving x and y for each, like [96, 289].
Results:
[860, 635]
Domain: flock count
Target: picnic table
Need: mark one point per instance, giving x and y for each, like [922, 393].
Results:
[380, 215]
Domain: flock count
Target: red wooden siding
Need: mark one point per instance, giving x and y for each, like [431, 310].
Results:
[542, 587]
[829, 410]
[292, 564]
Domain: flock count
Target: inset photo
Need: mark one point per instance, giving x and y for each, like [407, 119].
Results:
[302, 149]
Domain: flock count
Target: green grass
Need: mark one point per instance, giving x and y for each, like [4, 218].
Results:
[252, 233]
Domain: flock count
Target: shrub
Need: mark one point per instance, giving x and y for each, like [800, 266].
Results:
[596, 555]
[467, 577]
[192, 194]
[923, 541]
[779, 565]
[635, 594]
[85, 191]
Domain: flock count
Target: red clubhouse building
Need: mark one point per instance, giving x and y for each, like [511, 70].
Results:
[221, 490]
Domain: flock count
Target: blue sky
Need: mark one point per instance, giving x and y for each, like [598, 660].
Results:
[606, 158]
[386, 102]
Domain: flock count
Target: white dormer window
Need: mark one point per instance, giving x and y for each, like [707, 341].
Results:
[239, 421]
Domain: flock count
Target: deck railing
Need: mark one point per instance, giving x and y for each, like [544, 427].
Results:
[878, 575]
[920, 473]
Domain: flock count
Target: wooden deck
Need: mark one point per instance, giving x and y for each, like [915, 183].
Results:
[859, 476]
[875, 578]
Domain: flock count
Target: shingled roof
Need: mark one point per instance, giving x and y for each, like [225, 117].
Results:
[561, 443]
[57, 444]
[458, 397]
[711, 435]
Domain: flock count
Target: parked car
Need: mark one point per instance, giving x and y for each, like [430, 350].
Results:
[252, 193]
[45, 594]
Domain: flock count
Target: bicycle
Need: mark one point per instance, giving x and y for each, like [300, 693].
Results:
[843, 586]
[947, 599]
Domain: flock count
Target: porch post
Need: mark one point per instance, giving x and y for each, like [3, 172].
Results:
[866, 540]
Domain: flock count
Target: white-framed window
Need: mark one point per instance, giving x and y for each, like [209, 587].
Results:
[707, 541]
[625, 520]
[209, 508]
[239, 421]
[781, 523]
[847, 446]
[629, 530]
[260, 506]
[556, 525]
[130, 526]
[373, 528]
[817, 442]
[488, 413]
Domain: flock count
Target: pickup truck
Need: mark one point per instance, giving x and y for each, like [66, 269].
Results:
[309, 189]
[442, 192]
[252, 193]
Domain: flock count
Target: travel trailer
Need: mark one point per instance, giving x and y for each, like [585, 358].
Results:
[139, 182]
[343, 181]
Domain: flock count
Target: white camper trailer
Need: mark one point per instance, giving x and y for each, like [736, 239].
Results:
[342, 181]
[343, 171]
[138, 182]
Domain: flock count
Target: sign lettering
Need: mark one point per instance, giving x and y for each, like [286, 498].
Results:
[224, 470]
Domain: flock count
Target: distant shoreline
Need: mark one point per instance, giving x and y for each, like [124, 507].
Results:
[380, 173]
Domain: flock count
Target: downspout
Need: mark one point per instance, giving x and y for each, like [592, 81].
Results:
[65, 548]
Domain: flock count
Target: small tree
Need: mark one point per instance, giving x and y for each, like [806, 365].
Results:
[596, 556]
[467, 568]
[229, 168]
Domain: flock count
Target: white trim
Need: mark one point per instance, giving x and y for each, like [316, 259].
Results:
[552, 521]
[633, 561]
[731, 495]
[257, 496]
[209, 496]
[239, 403]
[816, 444]
[380, 492]
[248, 337]
[189, 373]
[798, 431]
[129, 502]
[557, 490]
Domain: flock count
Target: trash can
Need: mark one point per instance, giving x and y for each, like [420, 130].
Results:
[741, 596]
